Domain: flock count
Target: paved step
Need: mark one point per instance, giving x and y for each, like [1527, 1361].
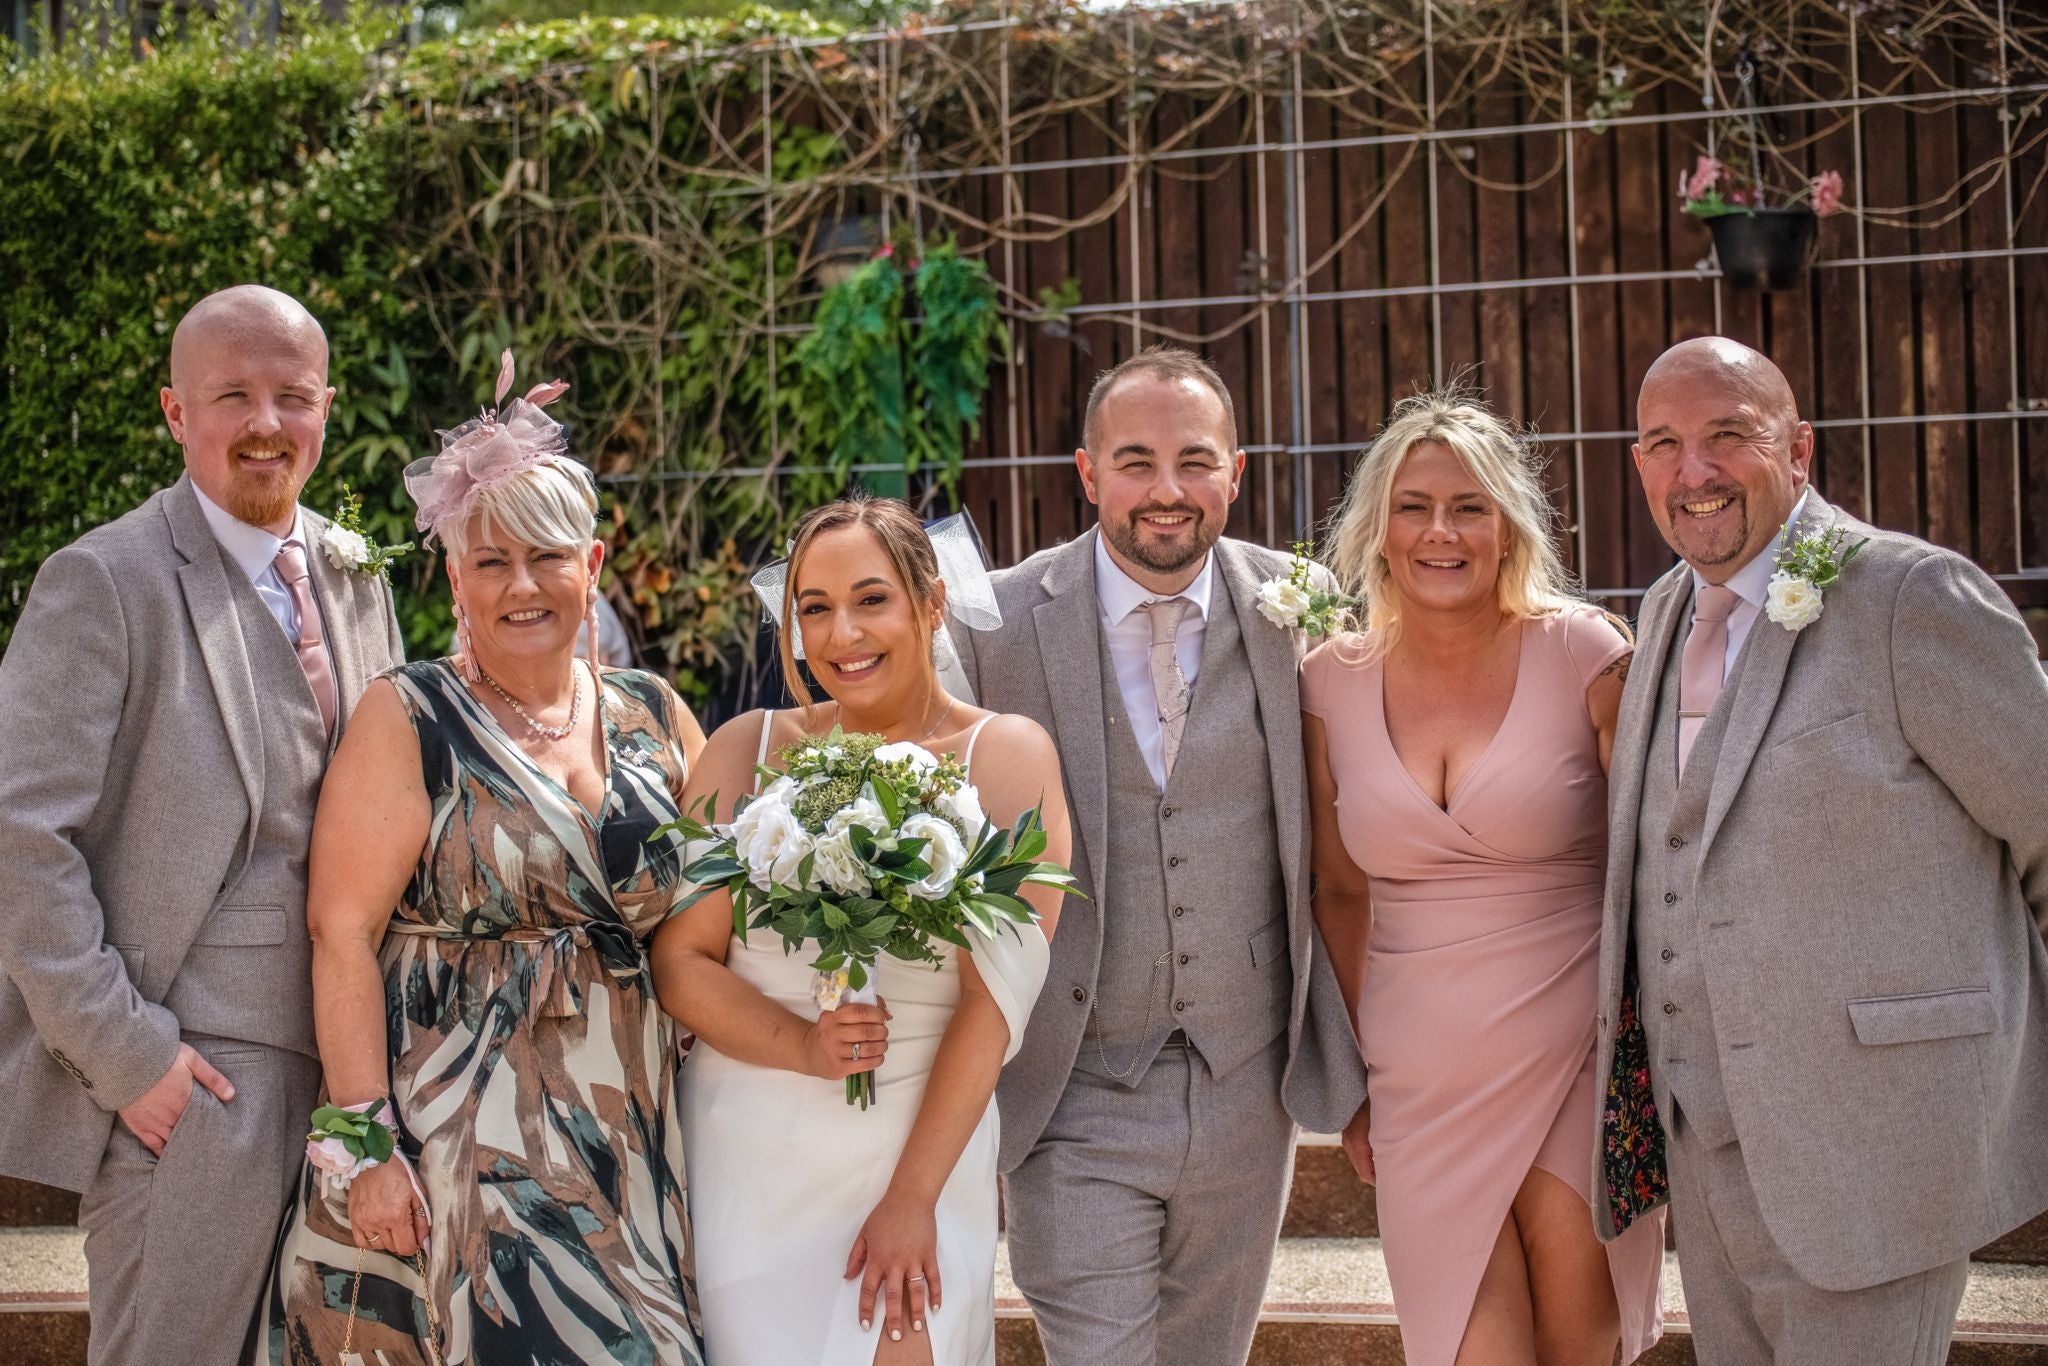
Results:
[1327, 1301]
[1329, 1201]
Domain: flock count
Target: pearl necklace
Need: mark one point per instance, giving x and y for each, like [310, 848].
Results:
[539, 731]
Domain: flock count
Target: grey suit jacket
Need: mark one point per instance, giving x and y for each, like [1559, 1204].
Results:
[1875, 863]
[1045, 662]
[133, 770]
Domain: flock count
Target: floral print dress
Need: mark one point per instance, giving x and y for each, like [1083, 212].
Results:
[533, 1072]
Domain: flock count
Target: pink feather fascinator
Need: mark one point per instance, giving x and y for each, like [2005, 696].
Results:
[488, 449]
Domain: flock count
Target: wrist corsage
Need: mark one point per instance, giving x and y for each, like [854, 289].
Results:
[348, 1140]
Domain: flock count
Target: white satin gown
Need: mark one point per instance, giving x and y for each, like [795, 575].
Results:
[783, 1172]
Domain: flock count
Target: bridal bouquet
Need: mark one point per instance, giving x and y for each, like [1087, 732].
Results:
[861, 848]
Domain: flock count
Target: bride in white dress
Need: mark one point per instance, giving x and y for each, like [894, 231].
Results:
[827, 1234]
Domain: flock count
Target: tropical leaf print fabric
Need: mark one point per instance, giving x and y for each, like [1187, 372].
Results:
[533, 1072]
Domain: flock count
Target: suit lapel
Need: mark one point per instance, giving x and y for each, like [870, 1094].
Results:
[209, 601]
[1275, 664]
[1760, 677]
[334, 591]
[1069, 627]
[1630, 763]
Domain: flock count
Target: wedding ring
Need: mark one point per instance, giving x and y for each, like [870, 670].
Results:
[908, 1279]
[856, 1052]
[375, 1238]
[420, 1210]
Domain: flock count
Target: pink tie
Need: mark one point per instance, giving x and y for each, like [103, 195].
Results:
[1700, 670]
[313, 657]
[1169, 684]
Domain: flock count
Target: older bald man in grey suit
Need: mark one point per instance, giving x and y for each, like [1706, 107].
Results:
[1827, 869]
[168, 703]
[1190, 1018]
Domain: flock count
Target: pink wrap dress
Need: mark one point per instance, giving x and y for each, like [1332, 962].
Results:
[1477, 1012]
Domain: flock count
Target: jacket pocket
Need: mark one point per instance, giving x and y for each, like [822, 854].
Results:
[242, 927]
[1810, 746]
[1927, 1015]
[1270, 943]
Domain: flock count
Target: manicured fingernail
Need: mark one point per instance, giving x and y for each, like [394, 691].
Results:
[865, 1325]
[918, 1324]
[895, 1335]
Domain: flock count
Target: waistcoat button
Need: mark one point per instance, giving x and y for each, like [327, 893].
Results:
[1080, 995]
[1677, 842]
[1670, 898]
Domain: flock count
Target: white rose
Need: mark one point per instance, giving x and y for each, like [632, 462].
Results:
[945, 853]
[923, 758]
[834, 867]
[345, 549]
[1794, 603]
[770, 839]
[863, 811]
[1283, 602]
[963, 808]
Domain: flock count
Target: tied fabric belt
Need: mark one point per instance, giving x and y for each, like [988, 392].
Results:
[563, 960]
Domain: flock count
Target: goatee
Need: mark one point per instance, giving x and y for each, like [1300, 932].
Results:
[1161, 559]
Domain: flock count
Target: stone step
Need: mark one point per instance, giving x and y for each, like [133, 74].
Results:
[1326, 1301]
[1329, 1201]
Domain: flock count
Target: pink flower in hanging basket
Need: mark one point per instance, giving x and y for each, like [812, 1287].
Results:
[1706, 173]
[1827, 193]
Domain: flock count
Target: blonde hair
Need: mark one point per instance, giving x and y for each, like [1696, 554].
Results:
[552, 505]
[902, 537]
[1507, 465]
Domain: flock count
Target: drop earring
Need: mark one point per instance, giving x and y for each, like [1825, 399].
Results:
[465, 653]
[590, 625]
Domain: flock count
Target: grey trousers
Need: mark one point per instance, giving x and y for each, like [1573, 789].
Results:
[178, 1247]
[1750, 1308]
[1142, 1225]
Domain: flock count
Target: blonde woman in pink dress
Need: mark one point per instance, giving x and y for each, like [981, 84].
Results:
[1457, 752]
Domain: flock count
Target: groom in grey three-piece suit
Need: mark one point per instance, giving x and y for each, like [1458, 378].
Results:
[1190, 1018]
[168, 703]
[1827, 870]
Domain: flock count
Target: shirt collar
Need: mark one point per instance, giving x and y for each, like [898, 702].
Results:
[1121, 595]
[251, 547]
[1752, 582]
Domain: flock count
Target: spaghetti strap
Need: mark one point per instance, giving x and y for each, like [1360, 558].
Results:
[767, 725]
[967, 763]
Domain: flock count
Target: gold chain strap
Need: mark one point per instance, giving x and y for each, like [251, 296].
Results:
[433, 1342]
[1151, 983]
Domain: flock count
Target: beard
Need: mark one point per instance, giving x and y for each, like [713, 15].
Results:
[1168, 558]
[1704, 545]
[264, 497]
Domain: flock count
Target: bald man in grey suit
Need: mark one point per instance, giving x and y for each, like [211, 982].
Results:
[1827, 871]
[168, 703]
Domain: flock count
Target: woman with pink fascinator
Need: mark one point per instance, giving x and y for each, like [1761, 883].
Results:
[495, 1173]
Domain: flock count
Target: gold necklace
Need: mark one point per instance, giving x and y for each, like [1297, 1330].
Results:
[538, 730]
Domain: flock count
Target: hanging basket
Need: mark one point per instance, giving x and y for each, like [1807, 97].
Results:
[1763, 248]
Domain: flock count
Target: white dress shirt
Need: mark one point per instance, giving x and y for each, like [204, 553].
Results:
[1129, 632]
[1751, 583]
[254, 552]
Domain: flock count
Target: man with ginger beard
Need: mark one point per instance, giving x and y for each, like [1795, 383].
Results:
[168, 704]
[1827, 868]
[1190, 1018]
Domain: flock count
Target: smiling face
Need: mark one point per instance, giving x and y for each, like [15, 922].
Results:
[523, 603]
[1445, 536]
[1722, 453]
[248, 401]
[1163, 473]
[865, 635]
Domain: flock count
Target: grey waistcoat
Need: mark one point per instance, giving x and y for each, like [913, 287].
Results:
[253, 950]
[1194, 907]
[1677, 1015]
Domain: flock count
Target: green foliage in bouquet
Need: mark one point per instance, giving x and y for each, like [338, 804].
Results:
[862, 848]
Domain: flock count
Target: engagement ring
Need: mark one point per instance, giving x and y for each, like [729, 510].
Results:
[856, 1052]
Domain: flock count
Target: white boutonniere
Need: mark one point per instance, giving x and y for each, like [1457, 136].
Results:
[346, 545]
[1808, 566]
[1292, 601]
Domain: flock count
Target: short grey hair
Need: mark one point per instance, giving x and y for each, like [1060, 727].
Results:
[552, 505]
